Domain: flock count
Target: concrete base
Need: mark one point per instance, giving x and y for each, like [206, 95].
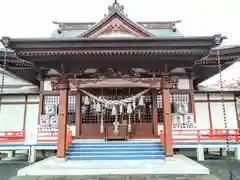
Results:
[178, 164]
[237, 152]
[32, 156]
[200, 153]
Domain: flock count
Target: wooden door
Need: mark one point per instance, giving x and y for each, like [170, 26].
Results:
[142, 119]
[90, 121]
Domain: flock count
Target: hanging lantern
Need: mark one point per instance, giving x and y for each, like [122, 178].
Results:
[134, 104]
[121, 109]
[86, 101]
[114, 111]
[98, 107]
[141, 102]
[129, 109]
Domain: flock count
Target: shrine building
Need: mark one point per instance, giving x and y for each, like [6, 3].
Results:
[114, 79]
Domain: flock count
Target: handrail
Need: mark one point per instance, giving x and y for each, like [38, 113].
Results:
[203, 134]
[69, 139]
[12, 136]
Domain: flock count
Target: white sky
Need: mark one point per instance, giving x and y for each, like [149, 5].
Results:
[33, 18]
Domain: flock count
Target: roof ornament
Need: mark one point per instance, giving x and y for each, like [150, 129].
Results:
[116, 6]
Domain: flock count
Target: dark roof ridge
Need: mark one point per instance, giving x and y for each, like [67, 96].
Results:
[139, 22]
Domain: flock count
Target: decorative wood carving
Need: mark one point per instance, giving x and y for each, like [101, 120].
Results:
[116, 24]
[60, 83]
[169, 82]
[115, 28]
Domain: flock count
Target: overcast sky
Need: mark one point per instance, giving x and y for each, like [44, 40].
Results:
[33, 18]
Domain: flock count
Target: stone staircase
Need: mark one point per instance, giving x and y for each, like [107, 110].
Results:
[116, 150]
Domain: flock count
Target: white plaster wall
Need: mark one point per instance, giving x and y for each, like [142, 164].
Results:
[47, 85]
[202, 115]
[217, 96]
[31, 123]
[33, 98]
[201, 110]
[183, 84]
[200, 96]
[218, 118]
[12, 115]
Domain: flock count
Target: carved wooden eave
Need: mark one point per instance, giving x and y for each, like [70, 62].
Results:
[60, 83]
[116, 20]
[75, 84]
[163, 53]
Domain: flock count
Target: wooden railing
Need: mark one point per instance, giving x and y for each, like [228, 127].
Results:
[69, 139]
[12, 136]
[203, 135]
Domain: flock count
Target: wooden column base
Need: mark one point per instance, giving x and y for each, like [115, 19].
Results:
[167, 123]
[62, 84]
[62, 127]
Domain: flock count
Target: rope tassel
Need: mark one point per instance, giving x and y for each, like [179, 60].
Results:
[129, 109]
[86, 101]
[98, 107]
[114, 111]
[141, 102]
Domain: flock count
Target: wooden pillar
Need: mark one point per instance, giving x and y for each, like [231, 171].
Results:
[167, 123]
[192, 99]
[63, 86]
[155, 112]
[78, 119]
[41, 100]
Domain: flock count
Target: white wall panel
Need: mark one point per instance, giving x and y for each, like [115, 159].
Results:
[217, 115]
[217, 96]
[12, 117]
[202, 115]
[17, 98]
[231, 115]
[31, 122]
[200, 96]
[183, 84]
[33, 98]
[47, 85]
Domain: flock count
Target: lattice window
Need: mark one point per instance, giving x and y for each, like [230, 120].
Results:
[54, 99]
[160, 107]
[182, 99]
[88, 113]
[71, 109]
[50, 99]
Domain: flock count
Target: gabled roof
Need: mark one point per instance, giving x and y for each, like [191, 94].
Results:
[116, 13]
[114, 21]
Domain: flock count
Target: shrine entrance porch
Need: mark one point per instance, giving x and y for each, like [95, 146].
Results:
[104, 120]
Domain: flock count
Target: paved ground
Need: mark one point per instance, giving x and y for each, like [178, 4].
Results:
[219, 171]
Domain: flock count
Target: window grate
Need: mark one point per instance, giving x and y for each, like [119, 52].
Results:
[55, 100]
